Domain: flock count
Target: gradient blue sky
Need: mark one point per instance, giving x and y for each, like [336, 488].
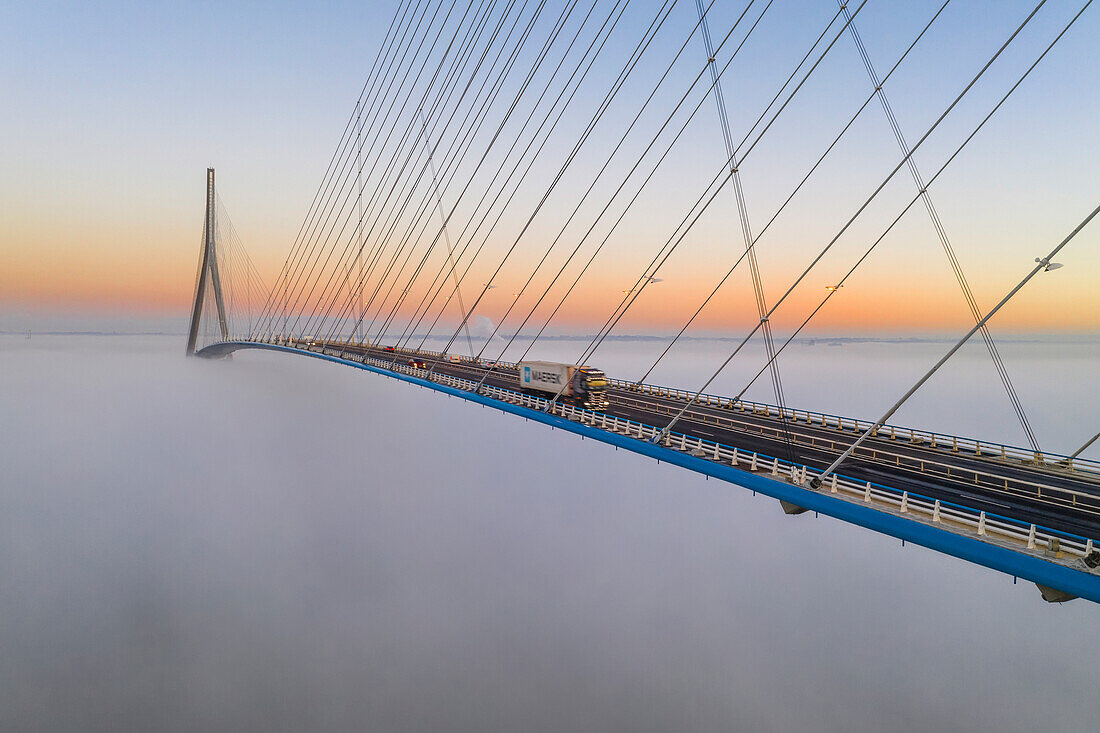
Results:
[114, 110]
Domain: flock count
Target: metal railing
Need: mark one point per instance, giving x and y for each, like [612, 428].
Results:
[931, 439]
[1087, 468]
[1049, 543]
[1084, 468]
[1054, 495]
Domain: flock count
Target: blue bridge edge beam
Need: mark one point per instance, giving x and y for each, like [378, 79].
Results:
[1035, 569]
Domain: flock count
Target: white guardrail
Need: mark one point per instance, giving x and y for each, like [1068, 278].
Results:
[1088, 468]
[1038, 540]
[1028, 488]
[931, 439]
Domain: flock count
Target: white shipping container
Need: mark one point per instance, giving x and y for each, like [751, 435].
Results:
[546, 376]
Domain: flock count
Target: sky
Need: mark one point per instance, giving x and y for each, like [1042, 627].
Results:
[116, 109]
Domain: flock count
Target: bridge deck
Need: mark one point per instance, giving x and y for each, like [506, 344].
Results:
[1040, 495]
[1063, 500]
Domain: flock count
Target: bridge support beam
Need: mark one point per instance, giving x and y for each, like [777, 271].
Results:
[1053, 595]
[789, 508]
[208, 272]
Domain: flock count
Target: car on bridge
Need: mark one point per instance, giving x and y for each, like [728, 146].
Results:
[417, 364]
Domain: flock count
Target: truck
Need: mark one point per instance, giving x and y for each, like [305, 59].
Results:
[583, 385]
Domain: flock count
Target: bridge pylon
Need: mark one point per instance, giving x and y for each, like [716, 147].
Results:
[208, 271]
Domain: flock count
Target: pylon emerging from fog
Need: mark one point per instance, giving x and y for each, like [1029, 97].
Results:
[208, 271]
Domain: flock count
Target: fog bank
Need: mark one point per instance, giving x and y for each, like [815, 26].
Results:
[279, 543]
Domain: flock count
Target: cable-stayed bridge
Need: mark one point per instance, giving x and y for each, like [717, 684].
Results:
[513, 158]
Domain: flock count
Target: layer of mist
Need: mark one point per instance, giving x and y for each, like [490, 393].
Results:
[278, 543]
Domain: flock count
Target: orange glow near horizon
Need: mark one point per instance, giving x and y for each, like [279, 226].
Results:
[164, 287]
[75, 264]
